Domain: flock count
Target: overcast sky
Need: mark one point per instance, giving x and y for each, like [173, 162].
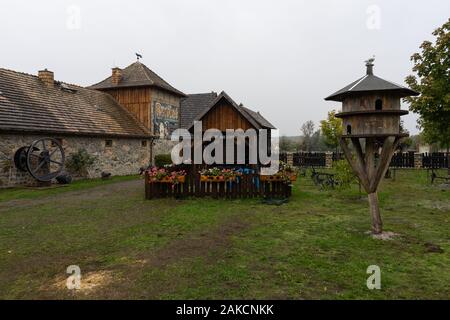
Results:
[277, 57]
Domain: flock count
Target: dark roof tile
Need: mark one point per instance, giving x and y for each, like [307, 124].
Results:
[202, 103]
[369, 83]
[136, 75]
[27, 104]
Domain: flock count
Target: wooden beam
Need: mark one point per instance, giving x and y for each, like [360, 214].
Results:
[356, 166]
[387, 151]
[370, 158]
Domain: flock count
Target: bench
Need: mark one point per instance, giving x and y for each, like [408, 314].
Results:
[325, 180]
[434, 177]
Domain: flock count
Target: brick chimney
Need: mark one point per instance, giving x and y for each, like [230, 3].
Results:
[47, 77]
[116, 76]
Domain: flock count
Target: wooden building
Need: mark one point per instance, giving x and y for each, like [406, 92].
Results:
[222, 112]
[151, 99]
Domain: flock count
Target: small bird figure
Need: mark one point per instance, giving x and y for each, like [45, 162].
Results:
[371, 60]
[138, 56]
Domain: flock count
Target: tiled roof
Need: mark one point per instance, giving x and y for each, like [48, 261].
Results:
[28, 105]
[137, 75]
[369, 83]
[201, 108]
[258, 117]
[193, 105]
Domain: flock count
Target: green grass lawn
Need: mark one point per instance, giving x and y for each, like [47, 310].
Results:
[314, 247]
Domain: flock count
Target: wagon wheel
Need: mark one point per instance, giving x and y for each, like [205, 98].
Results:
[45, 159]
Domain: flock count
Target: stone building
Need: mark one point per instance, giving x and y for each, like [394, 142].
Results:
[32, 107]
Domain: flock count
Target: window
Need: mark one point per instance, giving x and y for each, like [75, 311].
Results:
[108, 143]
[349, 129]
[144, 143]
[378, 104]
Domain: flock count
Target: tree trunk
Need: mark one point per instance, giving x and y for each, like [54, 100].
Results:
[377, 224]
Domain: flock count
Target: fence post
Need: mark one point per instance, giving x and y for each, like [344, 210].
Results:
[290, 159]
[418, 163]
[328, 159]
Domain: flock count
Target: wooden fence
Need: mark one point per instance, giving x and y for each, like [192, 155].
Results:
[399, 159]
[309, 159]
[436, 160]
[402, 160]
[245, 186]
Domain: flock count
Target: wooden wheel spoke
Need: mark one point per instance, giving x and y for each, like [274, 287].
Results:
[40, 165]
[53, 152]
[57, 162]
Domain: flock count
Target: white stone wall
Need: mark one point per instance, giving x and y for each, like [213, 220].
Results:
[125, 157]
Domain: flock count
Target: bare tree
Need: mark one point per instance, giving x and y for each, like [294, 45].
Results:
[307, 131]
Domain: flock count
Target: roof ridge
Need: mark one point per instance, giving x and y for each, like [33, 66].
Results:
[394, 83]
[144, 69]
[358, 82]
[37, 77]
[197, 94]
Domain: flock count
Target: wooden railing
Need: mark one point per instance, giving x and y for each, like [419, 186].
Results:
[244, 186]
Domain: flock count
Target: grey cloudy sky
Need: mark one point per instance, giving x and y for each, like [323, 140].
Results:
[278, 57]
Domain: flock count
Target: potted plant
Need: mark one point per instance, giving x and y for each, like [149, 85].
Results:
[286, 173]
[217, 175]
[163, 175]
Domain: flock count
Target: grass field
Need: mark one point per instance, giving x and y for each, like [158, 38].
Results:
[314, 247]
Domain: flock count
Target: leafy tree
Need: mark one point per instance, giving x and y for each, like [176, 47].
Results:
[344, 174]
[286, 144]
[405, 143]
[331, 130]
[432, 80]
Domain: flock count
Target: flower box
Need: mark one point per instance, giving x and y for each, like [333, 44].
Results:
[274, 177]
[204, 178]
[181, 179]
[277, 177]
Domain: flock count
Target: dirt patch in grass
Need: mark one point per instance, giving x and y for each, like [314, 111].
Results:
[201, 244]
[78, 196]
[89, 283]
[387, 235]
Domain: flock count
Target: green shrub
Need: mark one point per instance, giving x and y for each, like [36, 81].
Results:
[163, 159]
[344, 174]
[80, 162]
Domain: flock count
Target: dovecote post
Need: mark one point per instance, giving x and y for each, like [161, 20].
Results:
[371, 130]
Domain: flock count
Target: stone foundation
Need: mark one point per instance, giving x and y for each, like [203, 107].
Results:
[328, 159]
[418, 160]
[124, 157]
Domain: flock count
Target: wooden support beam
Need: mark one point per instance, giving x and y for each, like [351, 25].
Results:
[370, 175]
[355, 164]
[387, 151]
[370, 157]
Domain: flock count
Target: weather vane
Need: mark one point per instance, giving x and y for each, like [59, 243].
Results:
[138, 56]
[370, 61]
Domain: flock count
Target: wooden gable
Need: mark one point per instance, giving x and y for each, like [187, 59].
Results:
[135, 100]
[224, 116]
